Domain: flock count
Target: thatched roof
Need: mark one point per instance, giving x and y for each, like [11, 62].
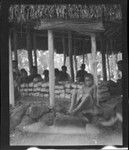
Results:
[80, 19]
[34, 14]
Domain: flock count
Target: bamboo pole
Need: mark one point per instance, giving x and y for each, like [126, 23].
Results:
[51, 68]
[29, 48]
[11, 82]
[64, 52]
[70, 55]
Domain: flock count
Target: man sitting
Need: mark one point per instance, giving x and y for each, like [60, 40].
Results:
[81, 74]
[64, 76]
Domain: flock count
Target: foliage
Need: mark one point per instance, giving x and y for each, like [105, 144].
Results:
[42, 59]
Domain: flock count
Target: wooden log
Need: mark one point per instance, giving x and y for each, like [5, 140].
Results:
[17, 116]
[11, 83]
[51, 67]
[29, 48]
[35, 111]
[70, 55]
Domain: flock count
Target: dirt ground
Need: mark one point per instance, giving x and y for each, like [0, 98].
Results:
[36, 134]
[67, 136]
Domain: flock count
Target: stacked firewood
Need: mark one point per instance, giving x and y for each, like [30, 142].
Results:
[41, 89]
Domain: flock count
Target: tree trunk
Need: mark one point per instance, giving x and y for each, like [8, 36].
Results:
[35, 50]
[15, 47]
[11, 83]
[51, 68]
[29, 48]
[70, 55]
[64, 52]
[103, 50]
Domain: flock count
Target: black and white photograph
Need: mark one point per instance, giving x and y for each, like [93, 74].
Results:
[66, 64]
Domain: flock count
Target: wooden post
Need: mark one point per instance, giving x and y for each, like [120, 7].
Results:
[103, 51]
[108, 64]
[35, 50]
[64, 52]
[11, 83]
[15, 46]
[70, 55]
[29, 49]
[51, 68]
[94, 63]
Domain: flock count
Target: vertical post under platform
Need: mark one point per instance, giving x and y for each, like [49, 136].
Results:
[70, 55]
[29, 48]
[15, 47]
[35, 50]
[94, 63]
[103, 50]
[11, 83]
[64, 52]
[51, 68]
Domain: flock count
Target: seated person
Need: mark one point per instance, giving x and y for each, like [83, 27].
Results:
[34, 74]
[24, 76]
[81, 74]
[83, 99]
[46, 75]
[64, 76]
[57, 75]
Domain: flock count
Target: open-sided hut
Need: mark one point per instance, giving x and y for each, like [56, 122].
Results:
[69, 29]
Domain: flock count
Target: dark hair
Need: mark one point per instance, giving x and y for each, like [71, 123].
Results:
[46, 72]
[89, 75]
[23, 70]
[64, 67]
[82, 65]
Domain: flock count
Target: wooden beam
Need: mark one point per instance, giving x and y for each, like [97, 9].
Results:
[29, 48]
[51, 68]
[11, 82]
[103, 51]
[70, 55]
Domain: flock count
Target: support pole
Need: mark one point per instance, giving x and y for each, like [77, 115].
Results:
[51, 68]
[70, 55]
[64, 52]
[29, 48]
[103, 50]
[94, 63]
[15, 46]
[108, 63]
[11, 83]
[35, 50]
[75, 59]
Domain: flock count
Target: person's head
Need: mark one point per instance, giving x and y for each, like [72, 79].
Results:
[34, 70]
[89, 80]
[120, 65]
[64, 68]
[83, 66]
[46, 73]
[14, 64]
[23, 73]
[57, 71]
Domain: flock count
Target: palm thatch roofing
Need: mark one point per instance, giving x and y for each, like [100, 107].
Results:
[82, 20]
